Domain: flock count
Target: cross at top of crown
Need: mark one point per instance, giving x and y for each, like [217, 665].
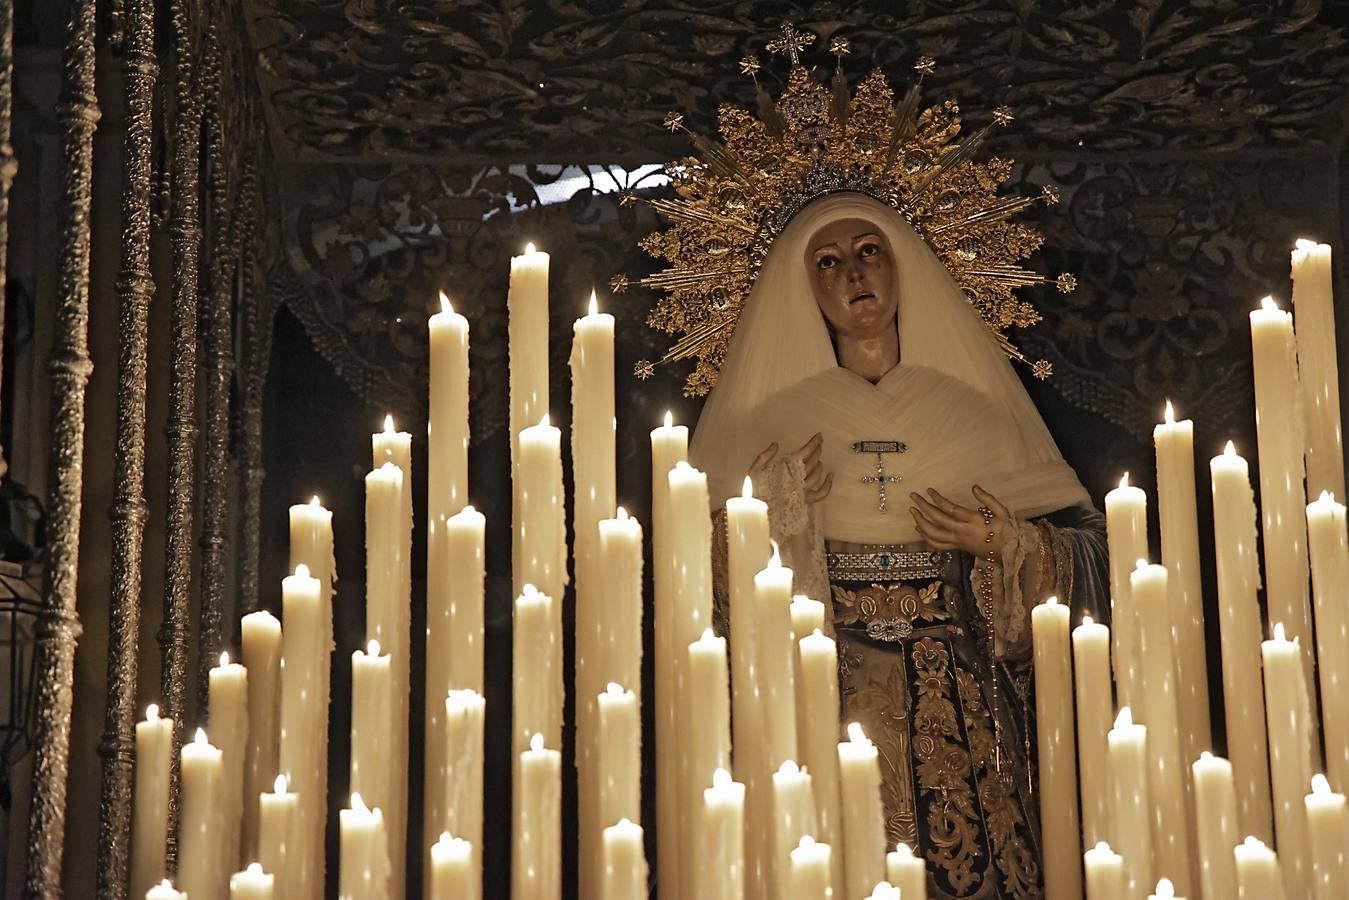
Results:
[791, 42]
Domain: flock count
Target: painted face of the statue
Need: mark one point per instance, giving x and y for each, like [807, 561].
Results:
[852, 273]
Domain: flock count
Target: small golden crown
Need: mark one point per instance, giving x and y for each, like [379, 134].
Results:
[735, 197]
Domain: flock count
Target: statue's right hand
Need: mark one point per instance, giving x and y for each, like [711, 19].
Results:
[816, 483]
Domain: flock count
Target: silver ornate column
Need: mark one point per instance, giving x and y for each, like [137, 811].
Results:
[69, 369]
[135, 288]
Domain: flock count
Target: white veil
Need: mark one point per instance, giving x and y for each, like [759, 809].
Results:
[781, 341]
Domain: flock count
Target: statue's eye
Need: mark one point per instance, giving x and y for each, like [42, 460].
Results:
[869, 249]
[827, 261]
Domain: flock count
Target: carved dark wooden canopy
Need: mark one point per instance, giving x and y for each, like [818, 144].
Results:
[479, 81]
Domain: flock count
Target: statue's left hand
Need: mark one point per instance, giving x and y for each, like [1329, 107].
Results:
[946, 525]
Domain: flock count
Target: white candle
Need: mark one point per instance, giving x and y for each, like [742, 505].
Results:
[1282, 501]
[1329, 546]
[261, 646]
[1314, 303]
[150, 812]
[1055, 728]
[1168, 776]
[1105, 873]
[1179, 521]
[669, 446]
[884, 891]
[1126, 516]
[748, 550]
[809, 871]
[1326, 828]
[454, 642]
[863, 817]
[364, 873]
[807, 615]
[536, 854]
[372, 721]
[447, 425]
[623, 873]
[1091, 682]
[251, 884]
[1236, 555]
[723, 839]
[276, 835]
[1165, 891]
[774, 652]
[906, 872]
[705, 729]
[1258, 875]
[227, 687]
[163, 891]
[527, 333]
[620, 565]
[465, 714]
[453, 875]
[201, 859]
[1127, 752]
[793, 817]
[619, 757]
[1215, 803]
[1290, 755]
[536, 669]
[818, 707]
[540, 530]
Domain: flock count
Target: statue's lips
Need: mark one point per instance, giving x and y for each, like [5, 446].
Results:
[865, 295]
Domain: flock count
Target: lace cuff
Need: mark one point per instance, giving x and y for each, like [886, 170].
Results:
[1011, 611]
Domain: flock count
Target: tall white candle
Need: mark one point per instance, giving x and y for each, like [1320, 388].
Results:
[447, 426]
[1168, 776]
[1329, 545]
[619, 756]
[1091, 683]
[453, 876]
[669, 446]
[541, 530]
[863, 816]
[1290, 755]
[906, 872]
[252, 884]
[150, 810]
[465, 714]
[1236, 554]
[1055, 728]
[1215, 804]
[807, 615]
[536, 669]
[1314, 304]
[1128, 756]
[227, 687]
[1258, 876]
[276, 836]
[201, 858]
[620, 566]
[365, 869]
[1326, 828]
[372, 721]
[705, 729]
[1126, 516]
[1282, 500]
[818, 707]
[773, 656]
[808, 874]
[527, 334]
[261, 645]
[722, 839]
[623, 873]
[1105, 873]
[537, 846]
[1179, 521]
[793, 818]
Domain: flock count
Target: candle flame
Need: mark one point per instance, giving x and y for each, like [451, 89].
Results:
[614, 689]
[529, 591]
[721, 778]
[1140, 564]
[152, 712]
[1320, 785]
[747, 489]
[1125, 717]
[594, 304]
[357, 803]
[1052, 600]
[200, 737]
[372, 648]
[1102, 847]
[708, 635]
[1253, 842]
[1230, 449]
[621, 514]
[280, 785]
[1304, 244]
[254, 869]
[789, 767]
[445, 305]
[536, 742]
[388, 424]
[904, 850]
[1327, 497]
[1169, 413]
[855, 733]
[1165, 890]
[224, 658]
[1279, 634]
[545, 422]
[807, 842]
[669, 419]
[1205, 755]
[1124, 480]
[1087, 619]
[817, 633]
[1267, 303]
[301, 571]
[774, 561]
[529, 248]
[166, 884]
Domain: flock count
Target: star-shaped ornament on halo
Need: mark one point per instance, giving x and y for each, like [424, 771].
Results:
[1042, 369]
[618, 284]
[1066, 283]
[1003, 115]
[925, 65]
[749, 65]
[839, 45]
[673, 121]
[644, 369]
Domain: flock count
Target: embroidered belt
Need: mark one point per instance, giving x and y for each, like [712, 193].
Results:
[882, 565]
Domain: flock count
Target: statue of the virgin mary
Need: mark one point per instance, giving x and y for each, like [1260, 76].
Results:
[912, 485]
